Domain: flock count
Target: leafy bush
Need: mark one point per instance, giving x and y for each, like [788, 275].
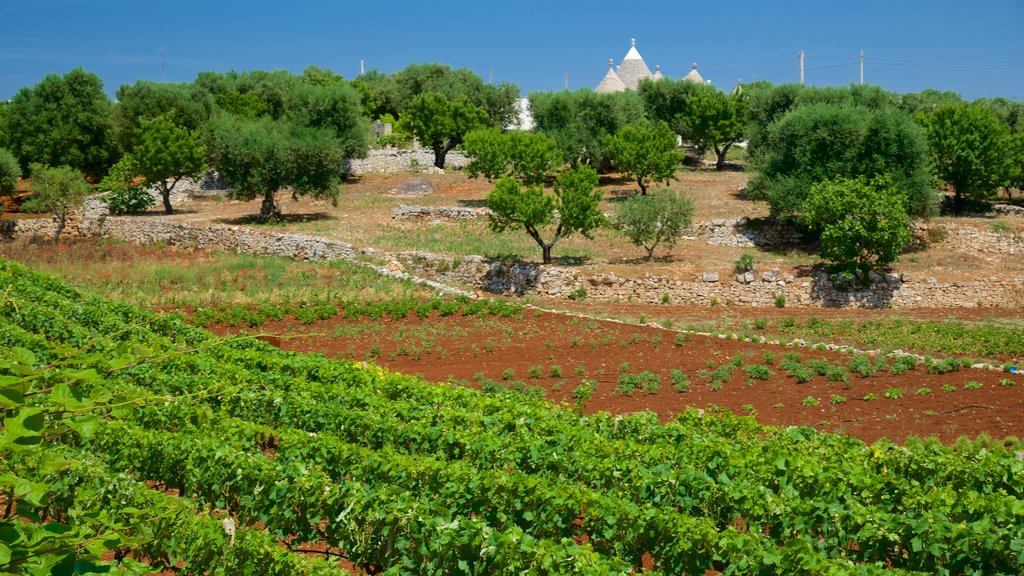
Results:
[680, 382]
[647, 381]
[649, 221]
[745, 263]
[758, 371]
[10, 171]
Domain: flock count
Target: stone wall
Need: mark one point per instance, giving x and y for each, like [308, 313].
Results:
[762, 289]
[393, 160]
[707, 289]
[406, 212]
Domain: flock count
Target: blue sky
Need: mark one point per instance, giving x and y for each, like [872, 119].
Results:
[973, 48]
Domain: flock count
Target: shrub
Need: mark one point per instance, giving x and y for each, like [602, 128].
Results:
[578, 294]
[973, 384]
[837, 399]
[647, 381]
[10, 171]
[556, 371]
[533, 371]
[680, 383]
[894, 393]
[745, 263]
[682, 338]
[810, 401]
[780, 301]
[862, 365]
[757, 371]
[508, 374]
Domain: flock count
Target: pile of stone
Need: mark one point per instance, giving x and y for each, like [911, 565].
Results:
[395, 160]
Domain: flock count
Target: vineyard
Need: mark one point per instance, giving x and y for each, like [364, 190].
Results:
[135, 443]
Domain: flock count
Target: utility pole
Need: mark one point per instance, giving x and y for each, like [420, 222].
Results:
[163, 68]
[801, 56]
[490, 77]
[565, 80]
[362, 66]
[861, 67]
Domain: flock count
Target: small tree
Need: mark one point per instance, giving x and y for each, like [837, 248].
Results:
[649, 221]
[572, 208]
[863, 223]
[166, 153]
[646, 152]
[441, 123]
[57, 190]
[716, 120]
[526, 156]
[10, 171]
[970, 150]
[124, 193]
[262, 156]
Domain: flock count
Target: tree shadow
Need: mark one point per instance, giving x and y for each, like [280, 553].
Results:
[291, 218]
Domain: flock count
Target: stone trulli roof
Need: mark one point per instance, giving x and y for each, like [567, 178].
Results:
[657, 73]
[611, 82]
[633, 69]
[694, 76]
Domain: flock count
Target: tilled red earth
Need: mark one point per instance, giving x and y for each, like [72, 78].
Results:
[469, 350]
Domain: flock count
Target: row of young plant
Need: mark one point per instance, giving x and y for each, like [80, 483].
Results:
[317, 310]
[793, 486]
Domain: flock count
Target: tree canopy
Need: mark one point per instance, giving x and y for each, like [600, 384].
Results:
[572, 208]
[166, 153]
[819, 142]
[441, 123]
[498, 102]
[185, 104]
[650, 221]
[579, 122]
[10, 171]
[971, 150]
[701, 114]
[863, 224]
[57, 190]
[63, 121]
[261, 156]
[526, 156]
[646, 152]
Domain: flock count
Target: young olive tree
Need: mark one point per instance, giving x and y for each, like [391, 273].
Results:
[647, 152]
[166, 153]
[58, 190]
[863, 223]
[10, 171]
[573, 207]
[650, 221]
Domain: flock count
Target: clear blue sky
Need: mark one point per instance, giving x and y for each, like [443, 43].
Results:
[973, 48]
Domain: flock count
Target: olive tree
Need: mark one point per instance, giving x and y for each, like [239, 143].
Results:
[9, 172]
[573, 207]
[650, 221]
[863, 223]
[261, 156]
[441, 123]
[63, 121]
[58, 190]
[646, 152]
[971, 150]
[818, 142]
[580, 122]
[166, 153]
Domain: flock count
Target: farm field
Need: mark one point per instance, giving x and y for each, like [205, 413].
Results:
[579, 358]
[330, 466]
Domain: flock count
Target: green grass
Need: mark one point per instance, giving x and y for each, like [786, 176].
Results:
[476, 238]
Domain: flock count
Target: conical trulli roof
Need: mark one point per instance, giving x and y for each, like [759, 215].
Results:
[633, 69]
[694, 76]
[611, 82]
[657, 73]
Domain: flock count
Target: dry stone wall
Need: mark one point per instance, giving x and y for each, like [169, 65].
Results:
[760, 289]
[394, 160]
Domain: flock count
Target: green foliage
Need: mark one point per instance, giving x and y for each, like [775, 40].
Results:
[124, 195]
[262, 156]
[971, 150]
[810, 401]
[166, 153]
[646, 152]
[757, 371]
[57, 190]
[10, 171]
[647, 381]
[780, 301]
[185, 104]
[526, 156]
[581, 121]
[680, 381]
[820, 142]
[863, 224]
[441, 123]
[334, 106]
[745, 263]
[498, 102]
[576, 199]
[649, 221]
[63, 121]
[701, 114]
[894, 393]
